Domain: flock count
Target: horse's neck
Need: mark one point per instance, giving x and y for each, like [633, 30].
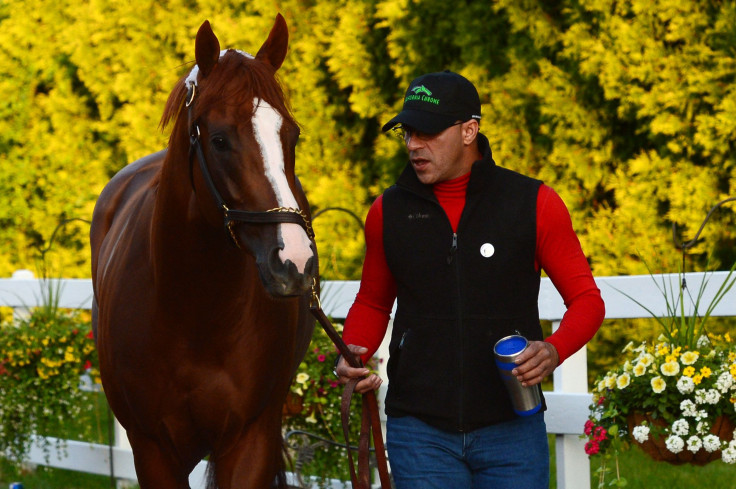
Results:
[185, 246]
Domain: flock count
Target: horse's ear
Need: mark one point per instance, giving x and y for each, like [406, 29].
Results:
[273, 50]
[206, 49]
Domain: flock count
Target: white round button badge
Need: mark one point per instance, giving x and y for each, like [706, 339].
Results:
[487, 250]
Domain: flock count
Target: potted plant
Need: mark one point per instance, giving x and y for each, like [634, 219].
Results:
[674, 397]
[43, 358]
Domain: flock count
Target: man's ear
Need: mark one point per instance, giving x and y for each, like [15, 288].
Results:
[470, 131]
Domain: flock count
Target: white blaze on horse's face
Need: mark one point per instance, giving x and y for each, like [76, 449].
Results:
[266, 127]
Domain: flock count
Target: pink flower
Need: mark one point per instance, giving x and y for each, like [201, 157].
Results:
[601, 400]
[600, 433]
[321, 358]
[592, 447]
[589, 425]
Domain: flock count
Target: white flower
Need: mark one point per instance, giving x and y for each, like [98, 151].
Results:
[640, 433]
[639, 369]
[681, 427]
[689, 357]
[658, 384]
[703, 428]
[729, 454]
[694, 444]
[685, 385]
[646, 359]
[724, 382]
[700, 395]
[712, 396]
[302, 377]
[623, 380]
[703, 341]
[711, 443]
[674, 444]
[610, 381]
[670, 368]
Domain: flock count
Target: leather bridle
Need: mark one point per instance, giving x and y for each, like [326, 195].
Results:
[233, 216]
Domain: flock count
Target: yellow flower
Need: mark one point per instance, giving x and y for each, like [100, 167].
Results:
[663, 350]
[727, 337]
[45, 342]
[705, 371]
[688, 371]
[698, 379]
[732, 369]
[689, 357]
[623, 380]
[302, 377]
[639, 369]
[670, 368]
[671, 358]
[658, 384]
[646, 359]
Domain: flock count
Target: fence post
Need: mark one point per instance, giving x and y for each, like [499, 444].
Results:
[573, 466]
[19, 312]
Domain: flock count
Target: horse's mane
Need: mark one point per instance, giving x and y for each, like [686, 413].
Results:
[235, 80]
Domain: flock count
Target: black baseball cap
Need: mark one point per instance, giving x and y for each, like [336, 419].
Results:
[435, 101]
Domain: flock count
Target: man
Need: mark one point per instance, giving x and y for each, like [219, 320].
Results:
[459, 243]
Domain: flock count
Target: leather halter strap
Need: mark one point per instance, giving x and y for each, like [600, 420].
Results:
[232, 216]
[370, 420]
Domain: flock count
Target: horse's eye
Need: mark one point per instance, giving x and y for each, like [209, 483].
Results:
[219, 143]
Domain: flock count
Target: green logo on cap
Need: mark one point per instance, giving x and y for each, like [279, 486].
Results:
[421, 89]
[422, 94]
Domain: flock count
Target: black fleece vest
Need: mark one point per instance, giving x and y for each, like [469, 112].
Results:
[457, 294]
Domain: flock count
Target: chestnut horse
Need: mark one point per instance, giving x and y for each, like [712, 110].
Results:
[203, 261]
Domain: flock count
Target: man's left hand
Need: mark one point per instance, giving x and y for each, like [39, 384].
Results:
[535, 363]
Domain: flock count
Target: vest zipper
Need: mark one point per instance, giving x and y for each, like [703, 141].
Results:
[460, 330]
[453, 249]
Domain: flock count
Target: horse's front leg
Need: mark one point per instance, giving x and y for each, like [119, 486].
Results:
[157, 467]
[255, 459]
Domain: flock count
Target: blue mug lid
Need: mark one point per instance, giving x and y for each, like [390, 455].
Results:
[510, 345]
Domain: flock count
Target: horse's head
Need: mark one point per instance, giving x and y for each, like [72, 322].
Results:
[232, 113]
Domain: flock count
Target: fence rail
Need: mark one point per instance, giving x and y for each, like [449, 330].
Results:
[567, 403]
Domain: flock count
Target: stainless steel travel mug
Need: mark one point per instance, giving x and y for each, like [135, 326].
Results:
[525, 400]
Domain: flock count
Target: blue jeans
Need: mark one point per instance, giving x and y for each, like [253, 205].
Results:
[512, 455]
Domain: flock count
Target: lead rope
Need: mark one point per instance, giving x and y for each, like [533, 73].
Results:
[370, 420]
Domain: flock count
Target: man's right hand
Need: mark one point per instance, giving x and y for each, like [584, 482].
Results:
[345, 372]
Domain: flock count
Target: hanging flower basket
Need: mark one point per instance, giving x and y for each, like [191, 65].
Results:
[656, 444]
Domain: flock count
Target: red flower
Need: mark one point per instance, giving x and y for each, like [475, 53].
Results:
[589, 425]
[600, 433]
[601, 400]
[90, 335]
[592, 447]
[87, 365]
[321, 358]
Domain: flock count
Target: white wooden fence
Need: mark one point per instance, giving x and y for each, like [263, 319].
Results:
[567, 403]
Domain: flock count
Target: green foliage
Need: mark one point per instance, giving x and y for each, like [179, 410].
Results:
[627, 109]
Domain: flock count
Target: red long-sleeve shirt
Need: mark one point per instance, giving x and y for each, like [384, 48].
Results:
[558, 253]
